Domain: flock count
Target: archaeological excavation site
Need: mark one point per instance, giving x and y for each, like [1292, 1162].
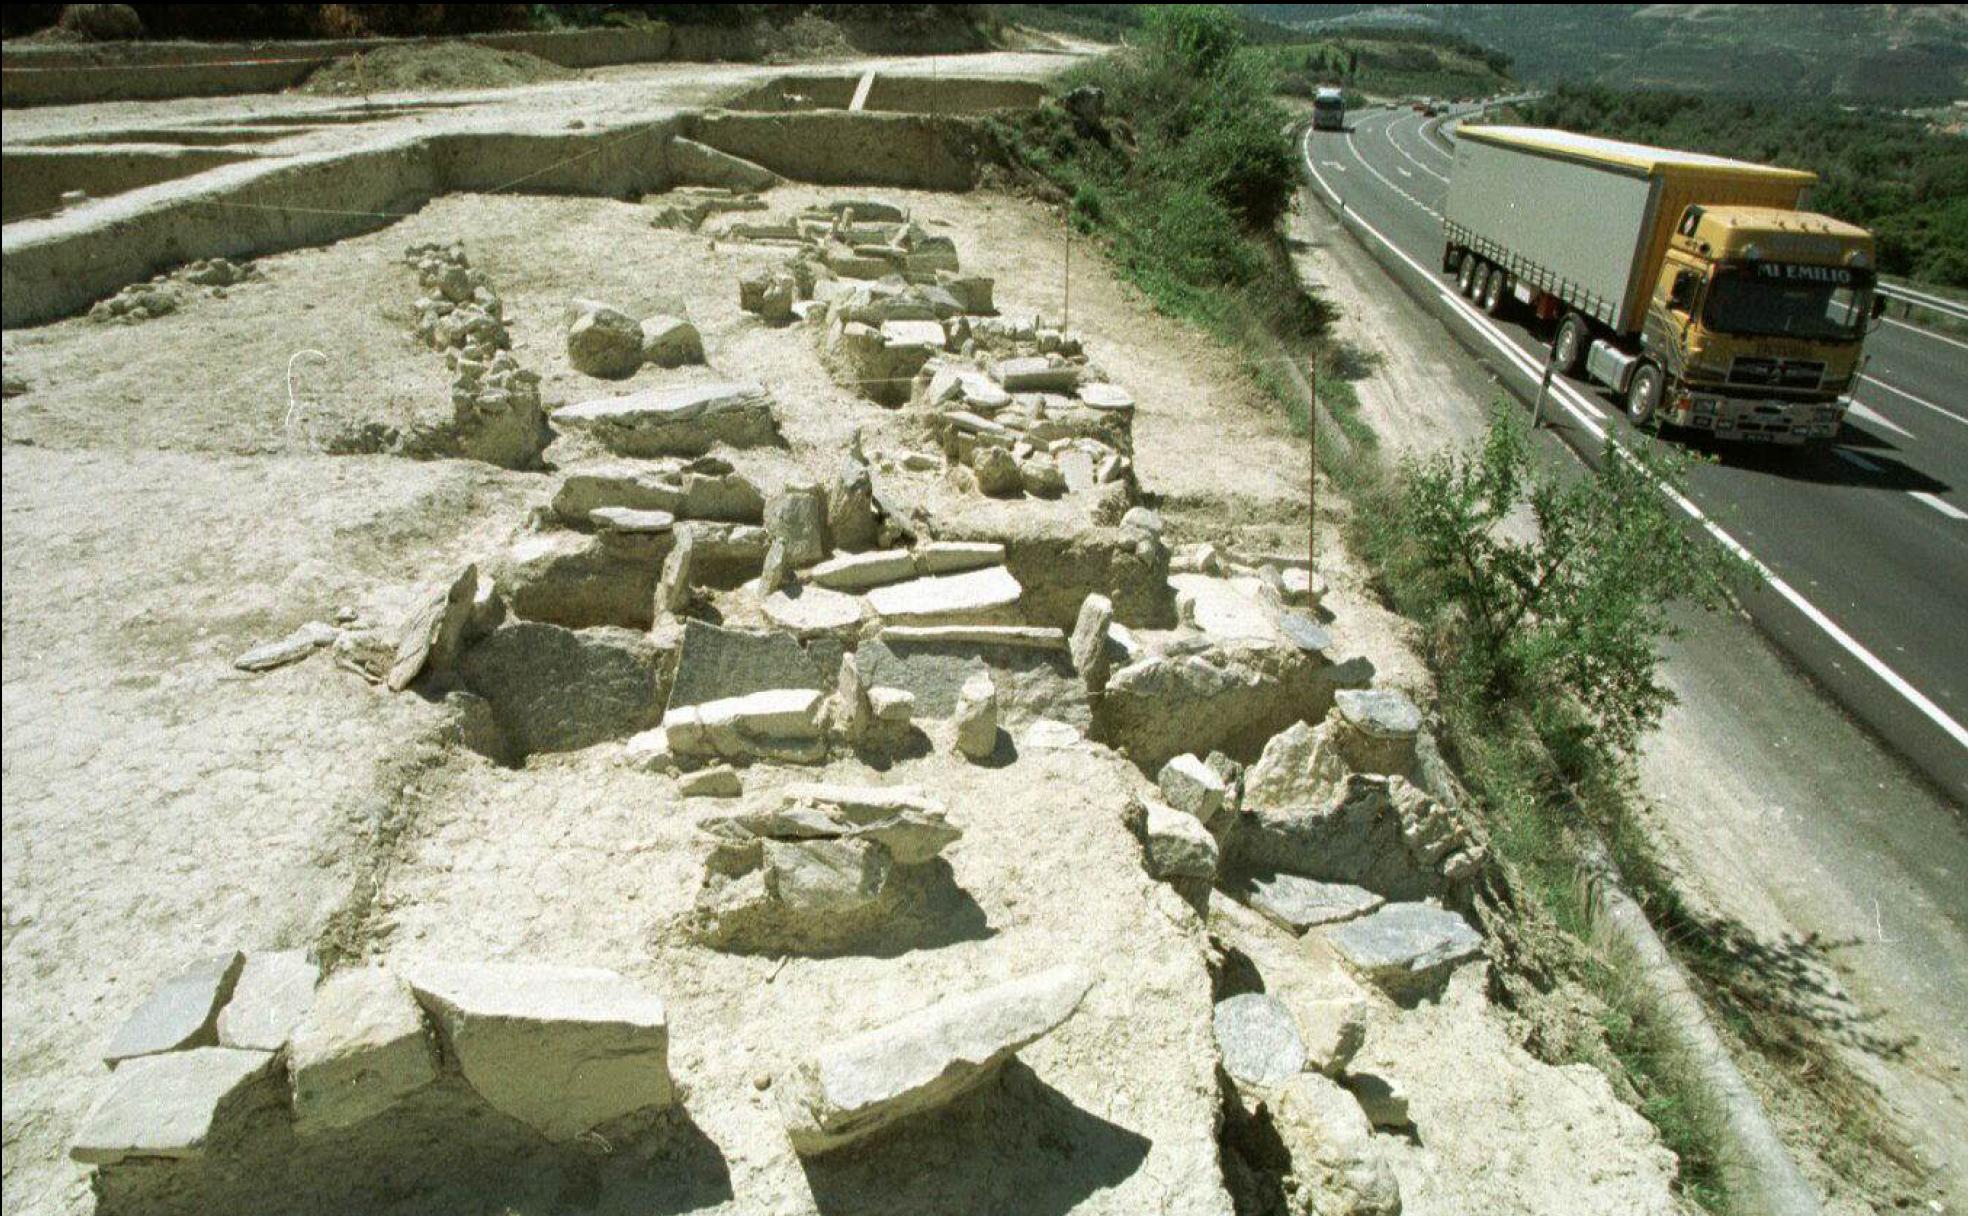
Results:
[666, 643]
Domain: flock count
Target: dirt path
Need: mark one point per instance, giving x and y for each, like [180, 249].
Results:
[1789, 824]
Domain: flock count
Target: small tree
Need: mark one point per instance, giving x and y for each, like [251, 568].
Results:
[1550, 586]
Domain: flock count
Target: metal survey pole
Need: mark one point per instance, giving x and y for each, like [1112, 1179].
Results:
[1312, 471]
[1066, 309]
[1544, 386]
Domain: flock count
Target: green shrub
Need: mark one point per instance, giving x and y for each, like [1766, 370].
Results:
[1553, 591]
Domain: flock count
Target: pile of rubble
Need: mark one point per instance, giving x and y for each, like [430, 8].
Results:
[165, 293]
[495, 403]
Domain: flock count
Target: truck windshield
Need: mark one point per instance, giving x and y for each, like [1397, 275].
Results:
[1754, 301]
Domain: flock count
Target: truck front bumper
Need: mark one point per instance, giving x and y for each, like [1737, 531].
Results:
[1758, 421]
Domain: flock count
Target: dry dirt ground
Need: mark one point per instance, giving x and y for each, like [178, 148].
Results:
[1827, 874]
[163, 515]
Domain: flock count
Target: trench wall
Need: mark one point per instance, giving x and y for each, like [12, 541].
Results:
[36, 178]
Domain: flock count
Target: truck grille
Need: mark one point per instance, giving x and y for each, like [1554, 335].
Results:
[1757, 372]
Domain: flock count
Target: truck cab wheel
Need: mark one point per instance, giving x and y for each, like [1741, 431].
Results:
[1568, 345]
[1494, 291]
[1643, 394]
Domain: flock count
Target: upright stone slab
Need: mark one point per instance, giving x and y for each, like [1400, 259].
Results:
[561, 1049]
[1089, 643]
[183, 1011]
[979, 596]
[272, 996]
[674, 585]
[862, 1084]
[435, 630]
[361, 1049]
[797, 515]
[166, 1106]
[715, 663]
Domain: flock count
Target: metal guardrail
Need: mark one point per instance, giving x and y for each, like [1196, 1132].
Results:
[1954, 310]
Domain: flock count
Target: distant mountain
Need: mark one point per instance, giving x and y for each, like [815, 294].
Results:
[1855, 52]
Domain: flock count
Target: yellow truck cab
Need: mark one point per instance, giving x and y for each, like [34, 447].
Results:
[1766, 301]
[1690, 285]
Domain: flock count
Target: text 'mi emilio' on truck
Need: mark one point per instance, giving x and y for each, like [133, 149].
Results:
[1329, 110]
[1692, 286]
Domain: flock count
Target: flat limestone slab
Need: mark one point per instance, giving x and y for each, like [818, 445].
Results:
[860, 571]
[976, 596]
[811, 611]
[1032, 637]
[679, 421]
[183, 1012]
[1300, 903]
[1406, 948]
[1224, 608]
[166, 1105]
[273, 994]
[561, 1049]
[859, 1085]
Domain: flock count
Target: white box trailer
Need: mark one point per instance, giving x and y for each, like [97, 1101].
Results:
[1587, 220]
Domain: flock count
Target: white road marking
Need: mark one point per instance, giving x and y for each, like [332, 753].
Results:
[1570, 399]
[1873, 416]
[1387, 181]
[1853, 458]
[1940, 504]
[1921, 401]
[1926, 333]
[1388, 130]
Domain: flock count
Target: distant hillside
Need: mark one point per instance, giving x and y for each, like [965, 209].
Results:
[1855, 52]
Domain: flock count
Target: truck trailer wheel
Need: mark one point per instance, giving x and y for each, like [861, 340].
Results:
[1495, 291]
[1568, 345]
[1643, 394]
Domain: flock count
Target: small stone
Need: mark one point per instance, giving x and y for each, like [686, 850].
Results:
[362, 1048]
[718, 781]
[998, 475]
[605, 342]
[1178, 847]
[977, 717]
[1189, 785]
[271, 997]
[182, 1013]
[892, 705]
[1141, 519]
[1259, 1040]
[1332, 1149]
[293, 648]
[671, 342]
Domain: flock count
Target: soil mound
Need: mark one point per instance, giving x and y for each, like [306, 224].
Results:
[431, 66]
